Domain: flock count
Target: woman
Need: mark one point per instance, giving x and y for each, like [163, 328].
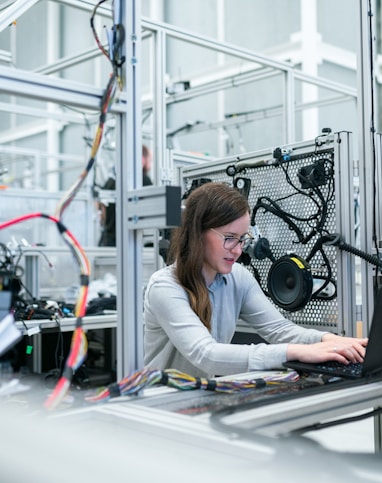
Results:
[192, 306]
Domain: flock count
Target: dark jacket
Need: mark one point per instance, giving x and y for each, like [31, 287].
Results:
[108, 235]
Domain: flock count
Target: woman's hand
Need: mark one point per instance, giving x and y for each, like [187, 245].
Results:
[331, 348]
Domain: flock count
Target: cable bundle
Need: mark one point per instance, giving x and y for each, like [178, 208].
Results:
[139, 380]
[78, 349]
[77, 355]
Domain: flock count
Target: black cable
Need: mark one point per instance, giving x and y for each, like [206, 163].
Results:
[321, 201]
[336, 240]
[272, 206]
[372, 259]
[320, 216]
[277, 211]
[372, 130]
[328, 279]
[337, 422]
[59, 358]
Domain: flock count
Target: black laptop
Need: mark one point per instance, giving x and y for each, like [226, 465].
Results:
[372, 363]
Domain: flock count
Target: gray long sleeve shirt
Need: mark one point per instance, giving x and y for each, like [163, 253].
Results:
[176, 338]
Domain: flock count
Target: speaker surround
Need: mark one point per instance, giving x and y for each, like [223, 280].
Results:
[290, 282]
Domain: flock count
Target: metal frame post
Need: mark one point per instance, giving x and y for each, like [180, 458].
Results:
[129, 177]
[346, 296]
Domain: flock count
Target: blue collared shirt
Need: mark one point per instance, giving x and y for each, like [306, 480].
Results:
[176, 338]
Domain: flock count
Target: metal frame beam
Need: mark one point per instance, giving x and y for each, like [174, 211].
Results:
[154, 207]
[37, 86]
[344, 192]
[366, 140]
[129, 177]
[14, 11]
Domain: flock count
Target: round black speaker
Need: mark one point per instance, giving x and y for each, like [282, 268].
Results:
[290, 282]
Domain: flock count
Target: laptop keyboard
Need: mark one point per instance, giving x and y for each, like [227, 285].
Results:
[353, 369]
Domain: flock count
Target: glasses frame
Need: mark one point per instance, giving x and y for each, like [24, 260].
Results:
[242, 240]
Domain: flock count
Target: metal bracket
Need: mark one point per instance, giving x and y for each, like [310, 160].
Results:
[154, 207]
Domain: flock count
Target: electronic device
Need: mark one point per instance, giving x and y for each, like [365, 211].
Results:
[243, 185]
[290, 282]
[372, 363]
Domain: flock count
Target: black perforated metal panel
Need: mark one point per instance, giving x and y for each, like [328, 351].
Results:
[284, 193]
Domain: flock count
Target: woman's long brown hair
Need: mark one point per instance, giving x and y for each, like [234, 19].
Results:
[210, 206]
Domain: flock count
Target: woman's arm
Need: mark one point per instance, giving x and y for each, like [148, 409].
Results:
[307, 345]
[169, 319]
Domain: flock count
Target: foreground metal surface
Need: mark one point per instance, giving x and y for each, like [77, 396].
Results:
[146, 438]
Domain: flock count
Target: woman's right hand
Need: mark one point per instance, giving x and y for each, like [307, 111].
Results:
[337, 348]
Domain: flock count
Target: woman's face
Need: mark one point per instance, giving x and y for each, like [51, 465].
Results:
[218, 259]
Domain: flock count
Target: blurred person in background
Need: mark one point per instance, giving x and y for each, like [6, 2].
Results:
[107, 211]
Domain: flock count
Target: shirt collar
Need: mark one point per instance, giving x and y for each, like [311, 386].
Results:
[218, 281]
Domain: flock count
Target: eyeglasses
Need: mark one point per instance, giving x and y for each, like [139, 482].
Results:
[230, 242]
